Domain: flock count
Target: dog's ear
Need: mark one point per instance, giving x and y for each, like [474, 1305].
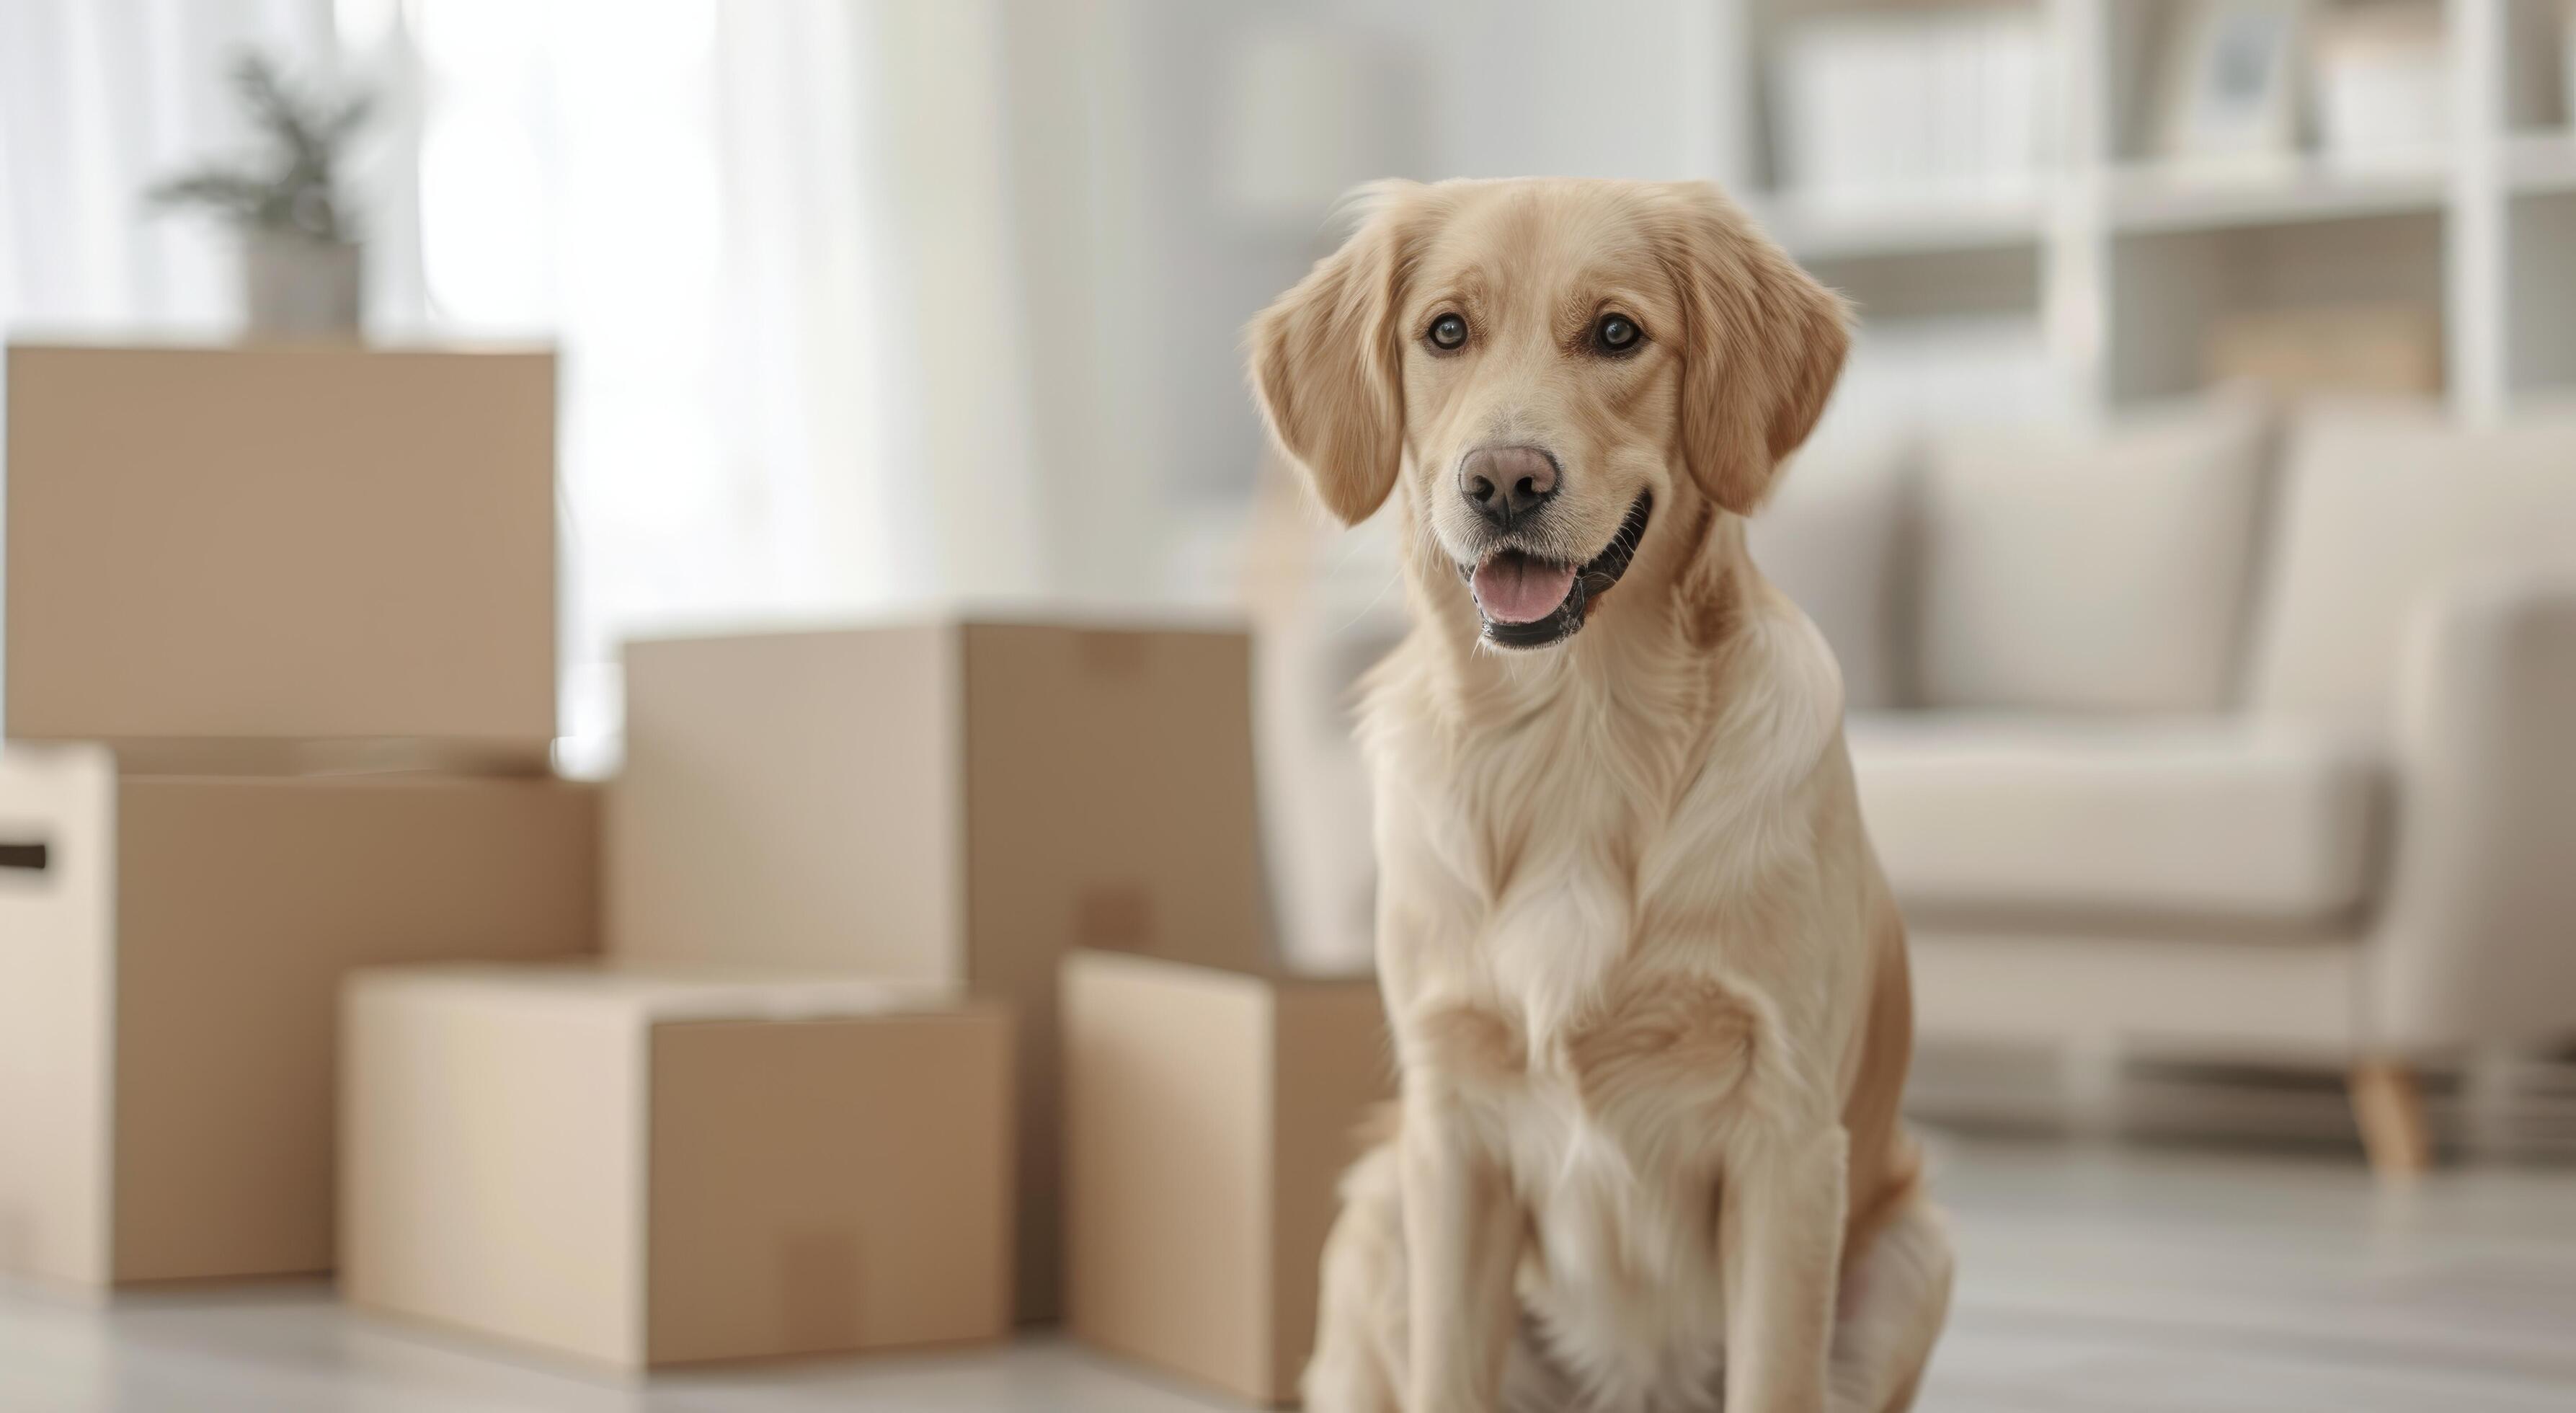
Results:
[1327, 362]
[1762, 347]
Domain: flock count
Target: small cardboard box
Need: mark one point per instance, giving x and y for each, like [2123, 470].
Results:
[170, 955]
[953, 803]
[291, 541]
[1209, 1116]
[2371, 350]
[651, 1167]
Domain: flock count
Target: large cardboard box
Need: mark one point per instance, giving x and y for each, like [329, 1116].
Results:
[946, 802]
[1209, 1116]
[649, 1167]
[170, 954]
[291, 541]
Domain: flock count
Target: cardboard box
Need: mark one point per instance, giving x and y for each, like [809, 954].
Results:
[641, 1168]
[1209, 1116]
[950, 803]
[2372, 350]
[290, 541]
[170, 954]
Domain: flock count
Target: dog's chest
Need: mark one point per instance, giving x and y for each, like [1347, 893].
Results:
[1613, 1123]
[1582, 973]
[1613, 1137]
[1589, 1006]
[1609, 1060]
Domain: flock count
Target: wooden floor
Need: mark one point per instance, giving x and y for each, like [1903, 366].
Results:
[2091, 1278]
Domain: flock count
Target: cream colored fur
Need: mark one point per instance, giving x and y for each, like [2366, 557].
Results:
[1647, 984]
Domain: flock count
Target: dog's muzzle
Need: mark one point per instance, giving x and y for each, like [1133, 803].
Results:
[1529, 602]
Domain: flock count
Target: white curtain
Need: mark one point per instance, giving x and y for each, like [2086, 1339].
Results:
[770, 240]
[684, 196]
[98, 98]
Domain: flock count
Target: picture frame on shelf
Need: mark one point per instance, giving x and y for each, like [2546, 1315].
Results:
[2230, 84]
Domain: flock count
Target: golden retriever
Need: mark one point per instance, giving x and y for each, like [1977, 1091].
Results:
[1647, 984]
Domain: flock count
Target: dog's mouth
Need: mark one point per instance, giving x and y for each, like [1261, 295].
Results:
[1530, 602]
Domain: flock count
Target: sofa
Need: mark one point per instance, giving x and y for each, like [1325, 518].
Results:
[2216, 733]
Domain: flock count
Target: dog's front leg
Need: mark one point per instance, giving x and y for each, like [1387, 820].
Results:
[1781, 1222]
[1462, 1234]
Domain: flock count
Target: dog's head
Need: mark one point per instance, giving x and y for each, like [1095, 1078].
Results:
[1550, 368]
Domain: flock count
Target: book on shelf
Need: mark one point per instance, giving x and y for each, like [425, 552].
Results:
[1887, 106]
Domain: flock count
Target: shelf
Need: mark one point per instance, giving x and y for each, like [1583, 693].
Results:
[2168, 197]
[2126, 258]
[2542, 160]
[1911, 223]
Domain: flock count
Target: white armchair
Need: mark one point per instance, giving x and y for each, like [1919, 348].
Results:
[2173, 764]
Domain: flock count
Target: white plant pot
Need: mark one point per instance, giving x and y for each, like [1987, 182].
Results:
[297, 287]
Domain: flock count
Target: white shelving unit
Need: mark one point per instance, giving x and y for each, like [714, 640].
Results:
[2099, 286]
[2153, 196]
[2094, 285]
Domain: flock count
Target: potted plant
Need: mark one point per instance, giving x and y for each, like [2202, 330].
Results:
[302, 263]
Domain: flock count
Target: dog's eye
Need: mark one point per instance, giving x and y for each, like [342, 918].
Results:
[1447, 332]
[1616, 334]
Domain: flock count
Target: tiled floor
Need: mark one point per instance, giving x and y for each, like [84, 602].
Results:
[2091, 1278]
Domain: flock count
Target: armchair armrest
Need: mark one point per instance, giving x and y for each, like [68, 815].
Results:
[2476, 941]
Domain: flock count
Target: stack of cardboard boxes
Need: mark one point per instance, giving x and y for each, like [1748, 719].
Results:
[952, 804]
[925, 810]
[825, 1090]
[931, 810]
[996, 805]
[243, 586]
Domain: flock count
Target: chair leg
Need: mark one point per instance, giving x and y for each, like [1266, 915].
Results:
[2389, 1105]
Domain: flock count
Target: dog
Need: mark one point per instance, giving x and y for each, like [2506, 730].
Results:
[1646, 982]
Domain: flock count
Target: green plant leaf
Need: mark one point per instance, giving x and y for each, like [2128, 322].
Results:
[296, 188]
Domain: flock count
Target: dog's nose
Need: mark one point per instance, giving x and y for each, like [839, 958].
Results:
[1505, 483]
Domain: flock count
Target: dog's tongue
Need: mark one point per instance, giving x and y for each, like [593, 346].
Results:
[1513, 588]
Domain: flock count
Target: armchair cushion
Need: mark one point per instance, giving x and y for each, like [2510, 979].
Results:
[2232, 825]
[2077, 571]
